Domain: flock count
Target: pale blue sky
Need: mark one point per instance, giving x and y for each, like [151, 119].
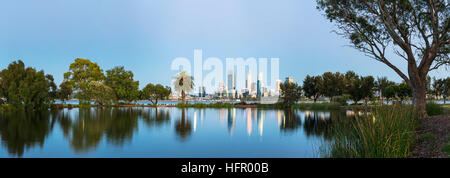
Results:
[146, 35]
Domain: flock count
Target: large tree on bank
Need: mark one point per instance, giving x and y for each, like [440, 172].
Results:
[417, 30]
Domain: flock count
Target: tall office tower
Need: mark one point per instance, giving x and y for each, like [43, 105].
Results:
[231, 80]
[249, 82]
[289, 79]
[278, 88]
[259, 85]
[253, 88]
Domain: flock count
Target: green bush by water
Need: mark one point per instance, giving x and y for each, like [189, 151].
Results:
[388, 132]
[317, 106]
[434, 109]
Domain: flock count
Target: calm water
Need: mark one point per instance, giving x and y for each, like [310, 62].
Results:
[165, 132]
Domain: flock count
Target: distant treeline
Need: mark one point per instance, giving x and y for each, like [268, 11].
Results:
[340, 88]
[25, 87]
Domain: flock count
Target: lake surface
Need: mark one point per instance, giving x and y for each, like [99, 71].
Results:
[166, 133]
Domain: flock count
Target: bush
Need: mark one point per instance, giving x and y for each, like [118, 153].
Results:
[317, 106]
[388, 132]
[341, 100]
[434, 109]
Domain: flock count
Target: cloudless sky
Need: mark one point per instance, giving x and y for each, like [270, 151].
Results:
[146, 35]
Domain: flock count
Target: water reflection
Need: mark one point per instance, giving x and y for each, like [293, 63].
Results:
[84, 130]
[183, 126]
[21, 131]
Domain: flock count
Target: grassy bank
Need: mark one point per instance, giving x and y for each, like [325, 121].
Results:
[388, 132]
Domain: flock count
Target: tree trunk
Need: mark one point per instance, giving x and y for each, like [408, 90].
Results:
[183, 95]
[419, 101]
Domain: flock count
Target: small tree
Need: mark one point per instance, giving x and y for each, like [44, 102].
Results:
[65, 90]
[123, 84]
[156, 92]
[332, 85]
[290, 93]
[311, 87]
[100, 93]
[390, 92]
[81, 73]
[183, 84]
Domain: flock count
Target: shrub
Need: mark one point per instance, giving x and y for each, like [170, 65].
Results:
[342, 99]
[434, 109]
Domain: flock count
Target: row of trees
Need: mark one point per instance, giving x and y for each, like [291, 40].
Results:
[355, 87]
[89, 83]
[25, 87]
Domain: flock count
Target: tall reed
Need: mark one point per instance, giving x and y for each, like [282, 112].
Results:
[387, 132]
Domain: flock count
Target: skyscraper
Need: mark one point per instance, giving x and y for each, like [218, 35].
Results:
[248, 84]
[259, 85]
[231, 80]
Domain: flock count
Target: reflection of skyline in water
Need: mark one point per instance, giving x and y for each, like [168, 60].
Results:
[84, 130]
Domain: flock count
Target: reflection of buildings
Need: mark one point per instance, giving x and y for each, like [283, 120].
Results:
[249, 121]
[260, 120]
[231, 120]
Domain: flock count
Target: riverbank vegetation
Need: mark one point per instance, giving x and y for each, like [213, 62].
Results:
[387, 132]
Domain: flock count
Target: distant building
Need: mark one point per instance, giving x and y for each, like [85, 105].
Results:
[201, 92]
[289, 79]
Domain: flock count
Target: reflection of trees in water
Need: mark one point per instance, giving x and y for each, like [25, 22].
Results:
[23, 130]
[89, 127]
[231, 120]
[183, 126]
[156, 117]
[291, 121]
[320, 123]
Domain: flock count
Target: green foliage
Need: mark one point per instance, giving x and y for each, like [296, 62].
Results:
[341, 100]
[441, 87]
[100, 93]
[123, 84]
[290, 93]
[25, 87]
[446, 149]
[81, 73]
[333, 84]
[390, 91]
[434, 109]
[361, 87]
[311, 86]
[388, 132]
[65, 90]
[403, 91]
[155, 92]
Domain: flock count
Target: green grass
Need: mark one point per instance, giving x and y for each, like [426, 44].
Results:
[434, 109]
[388, 132]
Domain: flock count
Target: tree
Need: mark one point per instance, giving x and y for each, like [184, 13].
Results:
[418, 32]
[81, 73]
[123, 84]
[65, 90]
[362, 87]
[100, 93]
[349, 78]
[446, 91]
[311, 87]
[403, 91]
[53, 93]
[156, 92]
[381, 84]
[290, 93]
[390, 91]
[25, 87]
[332, 85]
[441, 88]
[183, 84]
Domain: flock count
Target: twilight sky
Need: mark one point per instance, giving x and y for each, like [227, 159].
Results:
[146, 35]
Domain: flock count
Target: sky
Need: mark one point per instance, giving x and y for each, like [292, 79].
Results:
[145, 36]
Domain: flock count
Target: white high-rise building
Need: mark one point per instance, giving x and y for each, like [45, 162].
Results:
[249, 82]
